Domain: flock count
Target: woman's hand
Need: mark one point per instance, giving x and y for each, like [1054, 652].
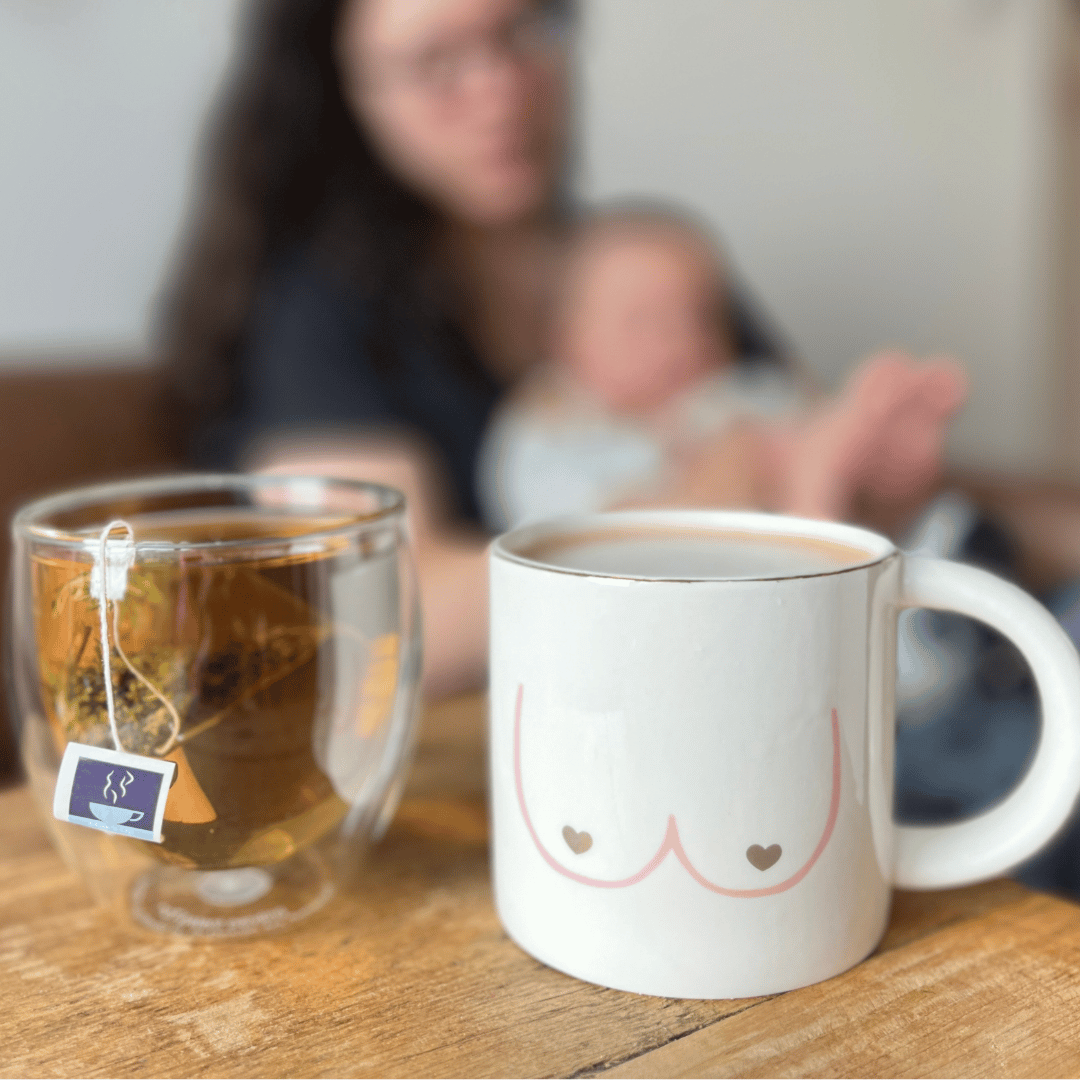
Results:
[878, 443]
[733, 470]
[875, 449]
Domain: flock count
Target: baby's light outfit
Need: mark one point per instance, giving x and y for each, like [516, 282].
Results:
[554, 449]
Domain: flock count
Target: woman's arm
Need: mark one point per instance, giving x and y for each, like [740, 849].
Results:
[451, 562]
[305, 371]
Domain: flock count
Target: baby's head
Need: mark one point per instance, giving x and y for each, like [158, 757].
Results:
[643, 311]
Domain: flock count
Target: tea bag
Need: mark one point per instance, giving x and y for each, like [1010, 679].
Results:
[253, 635]
[234, 636]
[215, 666]
[187, 802]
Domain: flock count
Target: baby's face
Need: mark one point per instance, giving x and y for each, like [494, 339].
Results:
[641, 321]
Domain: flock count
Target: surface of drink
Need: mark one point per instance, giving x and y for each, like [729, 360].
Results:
[676, 553]
[250, 644]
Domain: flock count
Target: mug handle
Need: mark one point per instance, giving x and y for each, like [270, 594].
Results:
[938, 856]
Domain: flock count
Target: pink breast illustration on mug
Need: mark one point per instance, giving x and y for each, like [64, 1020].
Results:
[582, 840]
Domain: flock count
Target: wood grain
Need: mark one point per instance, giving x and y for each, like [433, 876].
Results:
[994, 996]
[413, 976]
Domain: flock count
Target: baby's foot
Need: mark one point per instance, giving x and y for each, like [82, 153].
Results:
[882, 437]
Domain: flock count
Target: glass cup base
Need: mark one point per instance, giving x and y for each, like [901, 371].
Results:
[232, 903]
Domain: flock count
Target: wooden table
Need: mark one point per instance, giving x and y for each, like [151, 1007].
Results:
[416, 978]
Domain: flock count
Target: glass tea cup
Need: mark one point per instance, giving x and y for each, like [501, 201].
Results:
[260, 683]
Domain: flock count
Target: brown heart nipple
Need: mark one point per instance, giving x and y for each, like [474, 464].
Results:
[759, 856]
[578, 842]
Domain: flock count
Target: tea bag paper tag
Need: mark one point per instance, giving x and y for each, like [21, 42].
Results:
[113, 791]
[120, 559]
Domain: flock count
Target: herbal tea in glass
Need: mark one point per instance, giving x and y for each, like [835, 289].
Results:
[262, 638]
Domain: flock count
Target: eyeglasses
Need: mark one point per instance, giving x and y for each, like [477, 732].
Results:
[534, 36]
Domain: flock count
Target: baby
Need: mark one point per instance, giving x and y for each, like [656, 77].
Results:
[645, 387]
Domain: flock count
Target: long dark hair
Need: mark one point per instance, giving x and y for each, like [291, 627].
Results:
[285, 163]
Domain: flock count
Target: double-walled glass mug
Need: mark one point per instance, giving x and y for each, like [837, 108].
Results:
[245, 729]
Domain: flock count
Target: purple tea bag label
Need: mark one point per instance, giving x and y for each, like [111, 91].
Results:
[113, 791]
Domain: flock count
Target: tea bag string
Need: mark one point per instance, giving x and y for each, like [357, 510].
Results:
[106, 661]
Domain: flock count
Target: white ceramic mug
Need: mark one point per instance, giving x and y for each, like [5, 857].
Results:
[692, 724]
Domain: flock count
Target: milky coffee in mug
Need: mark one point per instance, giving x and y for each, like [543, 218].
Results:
[687, 554]
[692, 722]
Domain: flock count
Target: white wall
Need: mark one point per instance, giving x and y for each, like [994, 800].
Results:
[100, 105]
[880, 169]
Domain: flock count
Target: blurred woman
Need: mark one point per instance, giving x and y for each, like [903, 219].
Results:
[371, 263]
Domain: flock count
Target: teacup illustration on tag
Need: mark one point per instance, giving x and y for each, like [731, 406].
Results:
[113, 791]
[115, 815]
